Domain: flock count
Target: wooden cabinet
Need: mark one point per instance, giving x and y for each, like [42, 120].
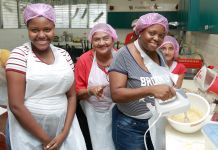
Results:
[189, 15]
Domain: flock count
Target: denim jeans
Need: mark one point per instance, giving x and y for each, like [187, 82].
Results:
[128, 133]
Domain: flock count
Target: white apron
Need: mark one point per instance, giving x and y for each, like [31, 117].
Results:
[174, 77]
[45, 98]
[99, 112]
[161, 76]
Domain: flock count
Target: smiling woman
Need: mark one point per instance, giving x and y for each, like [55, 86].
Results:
[92, 85]
[142, 76]
[42, 98]
[170, 49]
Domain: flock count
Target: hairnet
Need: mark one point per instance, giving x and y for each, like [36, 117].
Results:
[173, 41]
[35, 10]
[4, 55]
[103, 27]
[151, 19]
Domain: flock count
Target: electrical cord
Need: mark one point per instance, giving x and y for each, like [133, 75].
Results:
[150, 128]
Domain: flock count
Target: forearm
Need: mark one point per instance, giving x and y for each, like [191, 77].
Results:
[179, 81]
[27, 121]
[83, 94]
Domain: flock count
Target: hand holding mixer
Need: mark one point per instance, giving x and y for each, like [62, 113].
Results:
[177, 104]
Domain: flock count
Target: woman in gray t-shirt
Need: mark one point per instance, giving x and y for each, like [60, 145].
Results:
[133, 83]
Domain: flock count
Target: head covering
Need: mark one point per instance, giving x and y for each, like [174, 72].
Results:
[103, 27]
[4, 55]
[35, 10]
[151, 19]
[173, 41]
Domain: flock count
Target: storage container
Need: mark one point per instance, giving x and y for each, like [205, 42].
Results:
[210, 132]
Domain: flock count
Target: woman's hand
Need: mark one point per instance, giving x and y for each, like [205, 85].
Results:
[97, 91]
[163, 92]
[55, 143]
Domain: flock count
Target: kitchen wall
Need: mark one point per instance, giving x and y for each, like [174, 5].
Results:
[11, 38]
[206, 44]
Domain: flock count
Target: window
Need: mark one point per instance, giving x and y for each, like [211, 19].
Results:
[79, 16]
[9, 14]
[22, 6]
[62, 16]
[67, 16]
[97, 14]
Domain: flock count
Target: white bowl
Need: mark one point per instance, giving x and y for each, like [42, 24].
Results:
[200, 104]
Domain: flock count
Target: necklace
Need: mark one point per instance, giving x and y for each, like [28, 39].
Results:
[104, 68]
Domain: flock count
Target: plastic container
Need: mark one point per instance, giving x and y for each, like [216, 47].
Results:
[214, 85]
[210, 132]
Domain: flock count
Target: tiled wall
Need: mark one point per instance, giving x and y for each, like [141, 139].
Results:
[206, 44]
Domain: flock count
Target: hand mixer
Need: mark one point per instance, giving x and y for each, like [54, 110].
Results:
[177, 104]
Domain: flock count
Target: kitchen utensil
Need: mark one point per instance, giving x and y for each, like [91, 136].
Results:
[75, 14]
[177, 104]
[200, 104]
[186, 119]
[98, 17]
[84, 13]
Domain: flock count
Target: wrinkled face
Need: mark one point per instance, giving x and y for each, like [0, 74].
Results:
[168, 51]
[152, 37]
[102, 42]
[41, 32]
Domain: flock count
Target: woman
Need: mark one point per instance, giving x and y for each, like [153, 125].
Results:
[92, 85]
[170, 49]
[4, 54]
[143, 78]
[42, 98]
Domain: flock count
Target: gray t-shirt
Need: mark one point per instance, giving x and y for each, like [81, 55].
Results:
[125, 63]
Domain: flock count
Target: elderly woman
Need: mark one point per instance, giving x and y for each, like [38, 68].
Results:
[4, 54]
[92, 85]
[170, 49]
[143, 78]
[41, 89]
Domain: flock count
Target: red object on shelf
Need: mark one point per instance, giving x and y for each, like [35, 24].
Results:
[191, 62]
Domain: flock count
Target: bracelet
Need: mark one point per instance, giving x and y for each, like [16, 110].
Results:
[89, 93]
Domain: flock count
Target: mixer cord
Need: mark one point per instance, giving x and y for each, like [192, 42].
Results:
[150, 128]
